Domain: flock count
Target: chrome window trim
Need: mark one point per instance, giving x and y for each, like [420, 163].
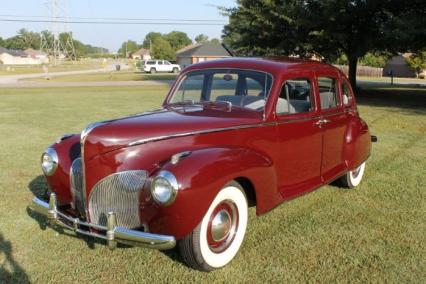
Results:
[183, 76]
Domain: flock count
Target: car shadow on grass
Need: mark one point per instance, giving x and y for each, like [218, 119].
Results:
[10, 270]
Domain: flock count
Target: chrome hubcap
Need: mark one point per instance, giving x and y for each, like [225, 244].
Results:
[221, 225]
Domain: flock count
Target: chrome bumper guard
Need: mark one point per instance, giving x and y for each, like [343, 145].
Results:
[113, 234]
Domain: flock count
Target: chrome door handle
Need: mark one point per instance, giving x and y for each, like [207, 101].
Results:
[321, 122]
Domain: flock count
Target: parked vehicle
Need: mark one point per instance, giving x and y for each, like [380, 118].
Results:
[231, 133]
[154, 66]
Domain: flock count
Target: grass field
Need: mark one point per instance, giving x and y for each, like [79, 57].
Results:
[109, 76]
[376, 233]
[67, 66]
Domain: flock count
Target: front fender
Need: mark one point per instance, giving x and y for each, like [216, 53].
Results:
[200, 176]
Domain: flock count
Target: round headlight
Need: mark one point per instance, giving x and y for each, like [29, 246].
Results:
[164, 188]
[49, 161]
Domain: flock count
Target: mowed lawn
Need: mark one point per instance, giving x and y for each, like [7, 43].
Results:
[375, 233]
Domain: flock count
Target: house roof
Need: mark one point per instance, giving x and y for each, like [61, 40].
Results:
[14, 52]
[203, 50]
[141, 51]
[33, 52]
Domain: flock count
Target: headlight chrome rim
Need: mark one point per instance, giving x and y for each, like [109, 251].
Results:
[51, 153]
[174, 187]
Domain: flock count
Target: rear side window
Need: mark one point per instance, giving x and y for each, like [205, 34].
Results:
[150, 62]
[295, 97]
[346, 94]
[328, 92]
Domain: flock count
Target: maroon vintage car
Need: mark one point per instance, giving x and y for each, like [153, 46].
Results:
[231, 134]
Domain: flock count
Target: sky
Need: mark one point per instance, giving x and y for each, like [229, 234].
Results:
[111, 36]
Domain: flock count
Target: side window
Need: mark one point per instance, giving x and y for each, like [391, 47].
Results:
[150, 63]
[295, 97]
[328, 92]
[346, 94]
[223, 86]
[190, 89]
[160, 62]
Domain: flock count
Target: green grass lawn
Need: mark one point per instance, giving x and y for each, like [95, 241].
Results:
[108, 76]
[376, 233]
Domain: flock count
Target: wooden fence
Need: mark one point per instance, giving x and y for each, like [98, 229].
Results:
[363, 71]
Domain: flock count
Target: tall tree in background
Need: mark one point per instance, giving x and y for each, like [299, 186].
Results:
[177, 39]
[330, 27]
[201, 38]
[161, 49]
[128, 47]
[150, 38]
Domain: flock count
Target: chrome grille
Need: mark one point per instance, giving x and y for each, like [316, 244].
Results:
[76, 181]
[118, 193]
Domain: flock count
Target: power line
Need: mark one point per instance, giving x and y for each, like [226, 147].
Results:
[114, 23]
[120, 19]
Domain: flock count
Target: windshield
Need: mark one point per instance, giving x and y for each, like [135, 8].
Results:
[242, 88]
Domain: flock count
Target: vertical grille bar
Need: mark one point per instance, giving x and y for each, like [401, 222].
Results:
[76, 182]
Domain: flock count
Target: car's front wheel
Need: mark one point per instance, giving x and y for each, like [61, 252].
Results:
[353, 178]
[175, 70]
[217, 239]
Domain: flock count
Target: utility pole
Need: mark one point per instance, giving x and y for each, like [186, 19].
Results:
[57, 42]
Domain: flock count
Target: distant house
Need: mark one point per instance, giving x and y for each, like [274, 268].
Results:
[201, 52]
[399, 67]
[37, 54]
[20, 57]
[141, 54]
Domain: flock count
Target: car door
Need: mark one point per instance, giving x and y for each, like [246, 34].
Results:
[160, 66]
[333, 124]
[299, 139]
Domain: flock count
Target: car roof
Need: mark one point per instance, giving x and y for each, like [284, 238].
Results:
[271, 65]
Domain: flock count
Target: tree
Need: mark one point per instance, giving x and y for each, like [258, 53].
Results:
[201, 38]
[330, 27]
[417, 61]
[2, 42]
[150, 38]
[128, 47]
[215, 41]
[177, 39]
[161, 49]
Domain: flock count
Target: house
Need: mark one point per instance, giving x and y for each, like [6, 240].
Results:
[398, 67]
[201, 52]
[141, 54]
[20, 57]
[37, 54]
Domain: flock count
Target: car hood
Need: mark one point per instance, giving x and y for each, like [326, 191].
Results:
[162, 124]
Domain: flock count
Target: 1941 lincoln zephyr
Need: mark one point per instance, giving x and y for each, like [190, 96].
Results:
[230, 134]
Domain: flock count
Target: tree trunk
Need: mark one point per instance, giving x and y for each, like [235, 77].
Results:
[353, 62]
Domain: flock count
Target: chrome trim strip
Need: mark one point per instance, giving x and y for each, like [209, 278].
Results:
[113, 234]
[158, 138]
[83, 137]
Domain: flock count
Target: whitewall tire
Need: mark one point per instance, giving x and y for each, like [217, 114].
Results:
[218, 237]
[353, 178]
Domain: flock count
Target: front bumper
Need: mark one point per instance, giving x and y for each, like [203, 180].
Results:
[112, 233]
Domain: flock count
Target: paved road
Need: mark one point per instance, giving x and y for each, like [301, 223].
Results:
[85, 84]
[14, 80]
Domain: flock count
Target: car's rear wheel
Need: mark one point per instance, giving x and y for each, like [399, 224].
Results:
[175, 70]
[217, 239]
[153, 71]
[353, 178]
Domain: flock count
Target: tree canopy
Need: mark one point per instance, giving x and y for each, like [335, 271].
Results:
[177, 39]
[330, 27]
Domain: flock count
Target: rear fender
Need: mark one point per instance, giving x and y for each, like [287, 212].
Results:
[357, 145]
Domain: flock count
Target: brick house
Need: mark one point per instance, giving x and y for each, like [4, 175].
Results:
[201, 52]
